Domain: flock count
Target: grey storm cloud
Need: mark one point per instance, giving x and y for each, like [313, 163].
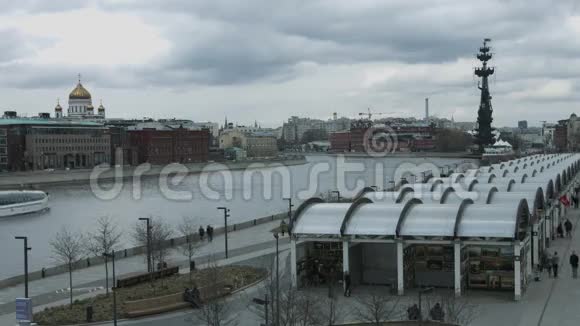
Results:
[223, 42]
[240, 46]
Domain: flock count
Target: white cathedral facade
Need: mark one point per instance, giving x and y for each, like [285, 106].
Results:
[80, 106]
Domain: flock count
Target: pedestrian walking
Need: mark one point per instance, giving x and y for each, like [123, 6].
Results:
[568, 227]
[574, 264]
[283, 227]
[547, 263]
[201, 232]
[209, 232]
[555, 262]
[346, 284]
[560, 230]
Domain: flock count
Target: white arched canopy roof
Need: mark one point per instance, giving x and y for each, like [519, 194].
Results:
[534, 199]
[495, 221]
[376, 219]
[431, 220]
[320, 219]
[482, 197]
[547, 188]
[393, 197]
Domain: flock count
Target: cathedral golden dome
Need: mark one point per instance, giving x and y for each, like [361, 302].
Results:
[80, 93]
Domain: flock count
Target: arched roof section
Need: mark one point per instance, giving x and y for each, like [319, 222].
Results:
[431, 220]
[353, 207]
[485, 169]
[534, 199]
[504, 184]
[547, 187]
[504, 173]
[422, 187]
[321, 219]
[455, 177]
[484, 188]
[495, 221]
[363, 191]
[377, 219]
[386, 197]
[301, 208]
[478, 197]
[435, 197]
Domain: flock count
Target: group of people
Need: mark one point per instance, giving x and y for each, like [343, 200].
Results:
[567, 226]
[436, 312]
[208, 231]
[192, 296]
[552, 262]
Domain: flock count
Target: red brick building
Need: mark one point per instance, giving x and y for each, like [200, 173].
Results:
[561, 136]
[178, 145]
[340, 141]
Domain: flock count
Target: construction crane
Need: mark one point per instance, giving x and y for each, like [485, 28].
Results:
[370, 114]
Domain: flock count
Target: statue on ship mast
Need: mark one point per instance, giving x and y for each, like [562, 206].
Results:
[484, 131]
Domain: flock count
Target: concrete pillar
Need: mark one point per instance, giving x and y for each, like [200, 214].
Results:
[529, 265]
[345, 262]
[400, 269]
[293, 273]
[536, 244]
[457, 267]
[517, 273]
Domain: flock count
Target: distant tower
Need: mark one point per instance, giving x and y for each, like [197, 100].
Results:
[335, 116]
[58, 110]
[484, 135]
[427, 110]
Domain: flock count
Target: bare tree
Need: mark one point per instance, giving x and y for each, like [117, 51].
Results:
[330, 311]
[161, 232]
[187, 228]
[376, 308]
[68, 248]
[215, 310]
[104, 239]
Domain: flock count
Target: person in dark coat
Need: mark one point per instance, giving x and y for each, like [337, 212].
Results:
[209, 232]
[437, 312]
[346, 284]
[555, 263]
[560, 230]
[568, 227]
[574, 264]
[201, 233]
[413, 312]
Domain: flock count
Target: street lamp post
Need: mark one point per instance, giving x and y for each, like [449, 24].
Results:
[290, 205]
[112, 256]
[26, 249]
[226, 215]
[149, 264]
[277, 280]
[263, 302]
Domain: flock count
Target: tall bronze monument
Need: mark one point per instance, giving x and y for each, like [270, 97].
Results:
[484, 130]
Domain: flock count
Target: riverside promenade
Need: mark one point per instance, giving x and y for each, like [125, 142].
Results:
[243, 245]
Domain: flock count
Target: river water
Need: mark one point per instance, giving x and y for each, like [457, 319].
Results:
[248, 195]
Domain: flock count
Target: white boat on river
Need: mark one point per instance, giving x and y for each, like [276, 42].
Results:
[16, 202]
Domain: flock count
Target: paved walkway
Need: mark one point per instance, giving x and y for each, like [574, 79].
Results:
[243, 244]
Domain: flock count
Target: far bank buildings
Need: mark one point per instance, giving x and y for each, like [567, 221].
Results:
[84, 138]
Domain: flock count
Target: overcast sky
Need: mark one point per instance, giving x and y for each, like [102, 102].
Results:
[266, 60]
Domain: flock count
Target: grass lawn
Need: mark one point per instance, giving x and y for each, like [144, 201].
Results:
[237, 276]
